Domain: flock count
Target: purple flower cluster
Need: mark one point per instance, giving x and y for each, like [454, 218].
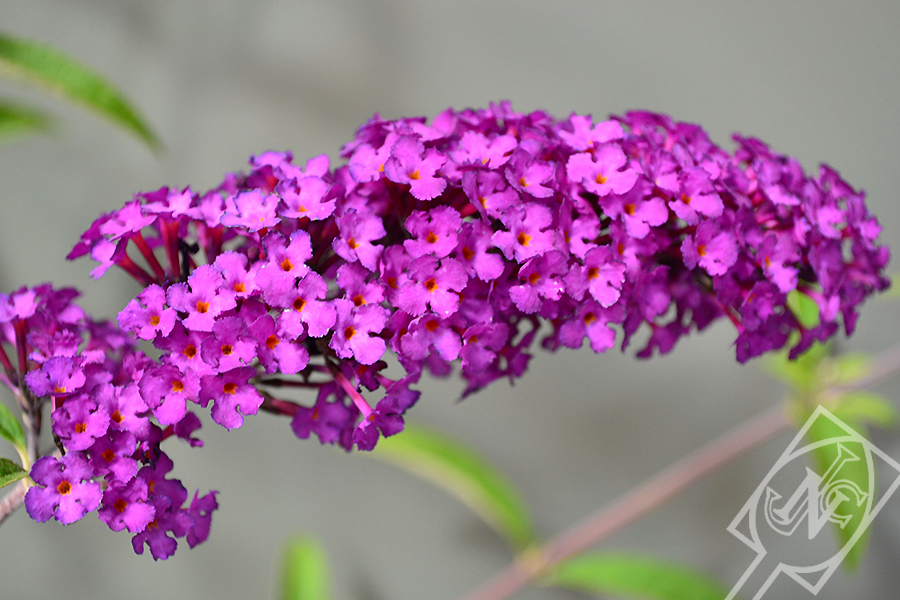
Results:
[447, 242]
[90, 373]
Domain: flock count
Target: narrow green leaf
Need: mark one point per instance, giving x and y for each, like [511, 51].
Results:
[10, 472]
[305, 573]
[17, 120]
[804, 308]
[468, 476]
[866, 407]
[10, 429]
[638, 577]
[856, 472]
[51, 68]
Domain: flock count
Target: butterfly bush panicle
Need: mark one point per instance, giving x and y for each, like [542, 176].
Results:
[440, 242]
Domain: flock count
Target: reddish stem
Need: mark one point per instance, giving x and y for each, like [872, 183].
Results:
[128, 265]
[279, 407]
[147, 253]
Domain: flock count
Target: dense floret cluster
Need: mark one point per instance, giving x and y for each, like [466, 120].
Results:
[443, 242]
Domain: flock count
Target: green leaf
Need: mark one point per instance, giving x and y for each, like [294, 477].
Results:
[46, 66]
[10, 472]
[804, 308]
[465, 474]
[866, 407]
[10, 429]
[629, 576]
[305, 573]
[801, 373]
[856, 472]
[16, 120]
[850, 368]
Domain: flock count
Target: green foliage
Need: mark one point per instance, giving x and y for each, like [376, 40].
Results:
[465, 474]
[17, 120]
[10, 472]
[305, 572]
[638, 577]
[10, 429]
[804, 308]
[856, 472]
[866, 408]
[52, 69]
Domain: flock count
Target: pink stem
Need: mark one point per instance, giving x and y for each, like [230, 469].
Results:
[147, 253]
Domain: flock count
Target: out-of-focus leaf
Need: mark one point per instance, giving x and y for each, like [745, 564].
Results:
[10, 429]
[53, 69]
[10, 472]
[804, 308]
[305, 574]
[801, 373]
[856, 472]
[638, 577]
[866, 407]
[17, 120]
[462, 472]
[850, 368]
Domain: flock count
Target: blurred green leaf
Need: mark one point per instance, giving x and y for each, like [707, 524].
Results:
[305, 574]
[856, 472]
[10, 472]
[638, 577]
[46, 66]
[804, 308]
[468, 476]
[10, 429]
[16, 120]
[866, 408]
[850, 368]
[803, 372]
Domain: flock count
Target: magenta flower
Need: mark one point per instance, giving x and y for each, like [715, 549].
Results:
[601, 274]
[697, 198]
[125, 506]
[64, 489]
[433, 284]
[526, 174]
[147, 315]
[203, 298]
[356, 329]
[435, 231]
[232, 395]
[600, 170]
[252, 210]
[713, 249]
[527, 232]
[358, 231]
[411, 164]
[540, 280]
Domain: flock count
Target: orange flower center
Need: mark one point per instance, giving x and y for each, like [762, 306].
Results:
[534, 278]
[701, 250]
[227, 349]
[593, 273]
[272, 341]
[600, 179]
[81, 428]
[120, 505]
[202, 307]
[431, 238]
[299, 304]
[177, 386]
[589, 318]
[108, 455]
[287, 265]
[190, 351]
[467, 253]
[240, 287]
[523, 238]
[349, 332]
[358, 300]
[431, 285]
[229, 388]
[117, 417]
[431, 325]
[154, 320]
[64, 488]
[629, 209]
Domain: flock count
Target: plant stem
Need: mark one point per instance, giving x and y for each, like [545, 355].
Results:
[636, 503]
[12, 500]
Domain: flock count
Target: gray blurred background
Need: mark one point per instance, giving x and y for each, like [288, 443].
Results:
[220, 80]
